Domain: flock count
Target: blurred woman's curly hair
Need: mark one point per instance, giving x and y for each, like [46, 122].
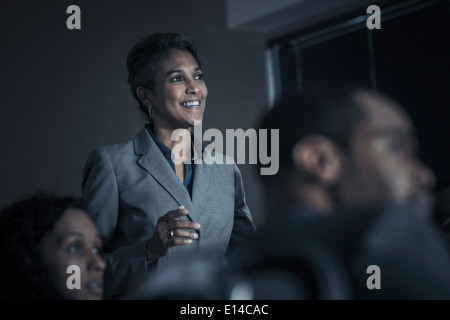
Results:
[23, 272]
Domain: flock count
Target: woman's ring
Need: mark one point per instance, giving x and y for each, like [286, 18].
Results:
[171, 234]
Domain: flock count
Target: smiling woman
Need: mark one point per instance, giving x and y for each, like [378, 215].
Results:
[178, 97]
[152, 210]
[40, 239]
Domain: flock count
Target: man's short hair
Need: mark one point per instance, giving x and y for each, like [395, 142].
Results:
[331, 112]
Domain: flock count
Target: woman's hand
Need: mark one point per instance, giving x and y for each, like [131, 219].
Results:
[170, 231]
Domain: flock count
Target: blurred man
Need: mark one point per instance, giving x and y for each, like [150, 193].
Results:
[350, 179]
[347, 148]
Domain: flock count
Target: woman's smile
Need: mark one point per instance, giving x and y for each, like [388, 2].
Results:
[180, 92]
[193, 104]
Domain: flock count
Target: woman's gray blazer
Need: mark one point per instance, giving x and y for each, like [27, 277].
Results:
[127, 187]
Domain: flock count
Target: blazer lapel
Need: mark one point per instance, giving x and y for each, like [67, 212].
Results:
[152, 160]
[202, 178]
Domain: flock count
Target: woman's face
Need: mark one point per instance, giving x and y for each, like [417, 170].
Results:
[179, 95]
[75, 241]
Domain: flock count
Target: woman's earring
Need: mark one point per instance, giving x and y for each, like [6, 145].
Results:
[151, 112]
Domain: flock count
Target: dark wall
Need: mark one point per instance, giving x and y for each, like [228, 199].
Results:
[407, 59]
[64, 92]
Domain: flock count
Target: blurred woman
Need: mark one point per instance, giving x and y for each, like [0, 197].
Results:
[40, 238]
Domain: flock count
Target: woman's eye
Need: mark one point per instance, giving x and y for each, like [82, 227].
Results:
[176, 79]
[198, 77]
[73, 248]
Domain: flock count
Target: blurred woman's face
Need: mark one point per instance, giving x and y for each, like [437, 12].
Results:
[75, 241]
[179, 95]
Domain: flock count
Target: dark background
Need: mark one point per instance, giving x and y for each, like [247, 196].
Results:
[407, 59]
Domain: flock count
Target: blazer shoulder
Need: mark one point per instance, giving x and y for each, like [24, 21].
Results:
[109, 157]
[125, 149]
[115, 151]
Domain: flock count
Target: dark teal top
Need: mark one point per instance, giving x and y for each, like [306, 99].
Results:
[167, 153]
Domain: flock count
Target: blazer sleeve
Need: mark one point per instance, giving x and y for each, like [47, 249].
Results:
[125, 266]
[243, 226]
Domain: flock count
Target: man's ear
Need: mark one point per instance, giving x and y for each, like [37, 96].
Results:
[318, 158]
[144, 95]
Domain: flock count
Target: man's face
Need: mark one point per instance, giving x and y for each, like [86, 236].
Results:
[382, 164]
